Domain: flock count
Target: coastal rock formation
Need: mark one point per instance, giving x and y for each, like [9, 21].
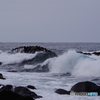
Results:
[30, 87]
[7, 88]
[23, 91]
[90, 53]
[9, 95]
[9, 92]
[40, 57]
[86, 86]
[0, 63]
[32, 49]
[62, 91]
[1, 76]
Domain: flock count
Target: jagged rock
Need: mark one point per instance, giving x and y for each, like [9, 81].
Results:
[32, 49]
[1, 76]
[31, 87]
[62, 91]
[40, 57]
[23, 91]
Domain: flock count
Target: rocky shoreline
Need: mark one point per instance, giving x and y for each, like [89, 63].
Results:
[10, 92]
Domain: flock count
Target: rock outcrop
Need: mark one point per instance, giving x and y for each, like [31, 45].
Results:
[1, 76]
[30, 87]
[84, 87]
[81, 87]
[90, 53]
[10, 92]
[32, 49]
[62, 91]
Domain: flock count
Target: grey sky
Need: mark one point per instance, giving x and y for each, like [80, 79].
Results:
[49, 20]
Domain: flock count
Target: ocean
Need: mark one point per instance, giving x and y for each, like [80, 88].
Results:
[63, 71]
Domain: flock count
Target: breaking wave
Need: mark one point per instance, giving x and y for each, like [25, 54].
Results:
[76, 64]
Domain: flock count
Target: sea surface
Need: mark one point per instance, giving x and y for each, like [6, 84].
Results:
[65, 70]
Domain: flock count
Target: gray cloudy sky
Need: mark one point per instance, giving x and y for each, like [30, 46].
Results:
[49, 20]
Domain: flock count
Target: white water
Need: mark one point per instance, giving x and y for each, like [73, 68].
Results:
[82, 68]
[46, 84]
[7, 58]
[77, 64]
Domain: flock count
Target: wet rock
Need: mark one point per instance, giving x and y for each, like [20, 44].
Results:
[17, 93]
[12, 71]
[62, 91]
[1, 76]
[90, 53]
[31, 87]
[7, 88]
[23, 91]
[0, 63]
[32, 49]
[9, 95]
[84, 87]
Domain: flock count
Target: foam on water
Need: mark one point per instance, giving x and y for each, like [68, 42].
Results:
[46, 84]
[77, 64]
[8, 58]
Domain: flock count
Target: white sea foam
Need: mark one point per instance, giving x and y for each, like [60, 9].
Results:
[75, 63]
[7, 58]
[46, 84]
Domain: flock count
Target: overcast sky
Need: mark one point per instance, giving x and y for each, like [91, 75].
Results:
[49, 20]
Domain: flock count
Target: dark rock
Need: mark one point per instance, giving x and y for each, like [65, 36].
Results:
[85, 53]
[7, 88]
[62, 91]
[96, 53]
[0, 63]
[23, 91]
[1, 76]
[39, 58]
[31, 87]
[9, 95]
[90, 53]
[86, 87]
[12, 71]
[32, 49]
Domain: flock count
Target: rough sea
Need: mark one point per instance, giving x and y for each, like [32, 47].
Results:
[65, 70]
